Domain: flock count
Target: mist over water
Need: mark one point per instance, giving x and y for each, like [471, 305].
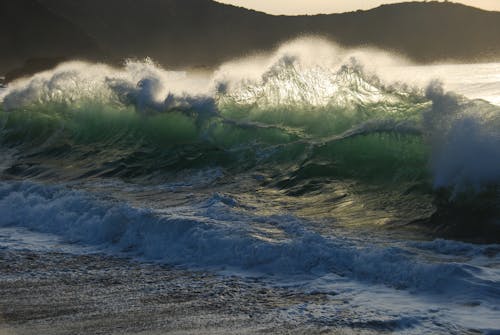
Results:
[276, 165]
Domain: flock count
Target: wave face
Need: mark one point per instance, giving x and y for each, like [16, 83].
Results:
[142, 119]
[142, 113]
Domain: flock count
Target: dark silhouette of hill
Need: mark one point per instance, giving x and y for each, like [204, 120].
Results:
[179, 33]
[176, 32]
[423, 31]
[30, 31]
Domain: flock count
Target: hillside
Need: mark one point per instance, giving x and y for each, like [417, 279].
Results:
[30, 31]
[179, 33]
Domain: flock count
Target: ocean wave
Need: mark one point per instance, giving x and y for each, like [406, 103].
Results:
[152, 108]
[286, 111]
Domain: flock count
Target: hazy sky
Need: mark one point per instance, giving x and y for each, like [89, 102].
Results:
[294, 7]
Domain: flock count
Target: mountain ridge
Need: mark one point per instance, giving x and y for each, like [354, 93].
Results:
[204, 33]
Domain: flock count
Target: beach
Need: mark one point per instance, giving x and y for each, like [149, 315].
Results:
[58, 293]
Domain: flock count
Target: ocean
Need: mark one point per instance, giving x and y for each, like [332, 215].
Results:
[353, 174]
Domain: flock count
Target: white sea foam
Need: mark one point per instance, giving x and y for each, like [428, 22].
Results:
[218, 232]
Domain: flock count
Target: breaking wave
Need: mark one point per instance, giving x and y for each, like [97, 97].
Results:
[294, 115]
[218, 233]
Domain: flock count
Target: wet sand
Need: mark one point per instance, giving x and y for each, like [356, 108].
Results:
[59, 293]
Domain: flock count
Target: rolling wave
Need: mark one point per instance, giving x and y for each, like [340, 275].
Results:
[290, 114]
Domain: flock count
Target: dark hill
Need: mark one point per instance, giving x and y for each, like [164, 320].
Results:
[176, 32]
[29, 30]
[180, 33]
[424, 31]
